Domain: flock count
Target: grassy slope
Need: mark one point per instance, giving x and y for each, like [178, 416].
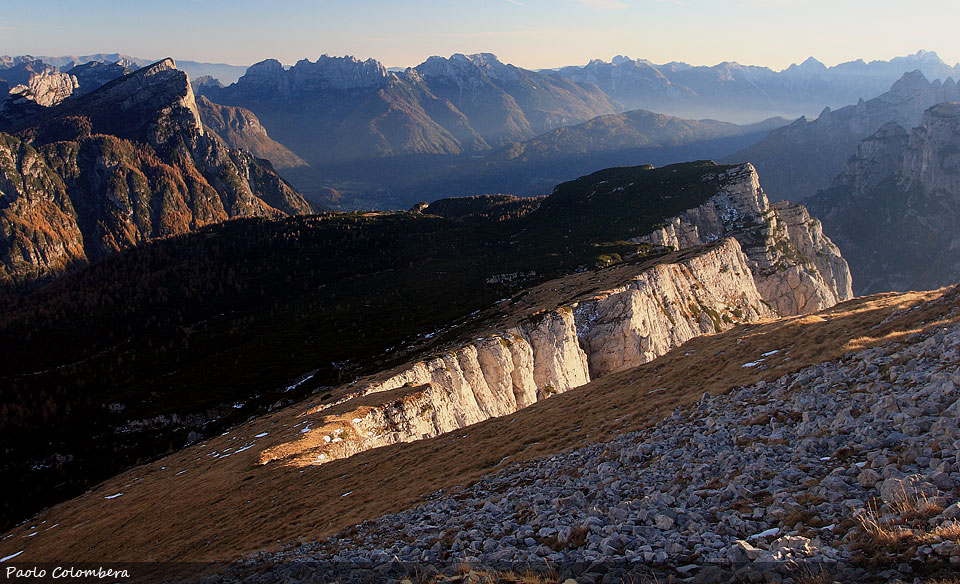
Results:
[218, 509]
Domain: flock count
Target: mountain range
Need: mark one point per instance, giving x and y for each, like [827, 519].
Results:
[201, 364]
[744, 93]
[340, 110]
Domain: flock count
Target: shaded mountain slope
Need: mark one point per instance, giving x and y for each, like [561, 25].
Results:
[240, 129]
[893, 207]
[805, 156]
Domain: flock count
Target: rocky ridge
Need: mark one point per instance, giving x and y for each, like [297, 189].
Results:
[900, 183]
[546, 353]
[797, 268]
[786, 267]
[848, 467]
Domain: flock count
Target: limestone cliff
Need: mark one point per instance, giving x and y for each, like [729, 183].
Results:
[654, 310]
[797, 268]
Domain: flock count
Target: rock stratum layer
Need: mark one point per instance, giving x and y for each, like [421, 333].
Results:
[121, 165]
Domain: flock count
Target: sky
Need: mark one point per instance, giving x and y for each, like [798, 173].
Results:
[528, 33]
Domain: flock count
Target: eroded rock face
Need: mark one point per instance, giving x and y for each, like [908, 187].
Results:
[551, 352]
[893, 208]
[666, 306]
[38, 225]
[797, 269]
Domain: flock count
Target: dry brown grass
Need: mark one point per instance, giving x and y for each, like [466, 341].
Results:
[221, 508]
[906, 526]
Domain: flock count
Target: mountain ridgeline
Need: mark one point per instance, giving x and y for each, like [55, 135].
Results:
[745, 93]
[804, 157]
[126, 163]
[339, 110]
[162, 344]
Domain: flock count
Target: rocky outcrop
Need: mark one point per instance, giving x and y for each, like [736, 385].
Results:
[893, 207]
[42, 91]
[124, 164]
[667, 305]
[550, 352]
[797, 269]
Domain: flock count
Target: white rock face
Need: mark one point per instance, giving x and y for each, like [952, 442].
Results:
[797, 269]
[548, 353]
[47, 89]
[666, 306]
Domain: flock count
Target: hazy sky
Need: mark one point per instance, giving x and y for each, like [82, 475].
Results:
[528, 33]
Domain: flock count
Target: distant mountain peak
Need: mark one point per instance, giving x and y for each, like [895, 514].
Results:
[812, 63]
[910, 83]
[620, 59]
[461, 66]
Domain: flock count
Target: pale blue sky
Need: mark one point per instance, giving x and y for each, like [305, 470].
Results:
[528, 33]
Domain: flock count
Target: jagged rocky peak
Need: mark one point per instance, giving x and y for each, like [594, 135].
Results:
[325, 73]
[206, 82]
[460, 66]
[338, 73]
[268, 68]
[157, 100]
[910, 84]
[47, 89]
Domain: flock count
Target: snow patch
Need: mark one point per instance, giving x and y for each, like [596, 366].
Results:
[113, 496]
[11, 556]
[261, 434]
[768, 533]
